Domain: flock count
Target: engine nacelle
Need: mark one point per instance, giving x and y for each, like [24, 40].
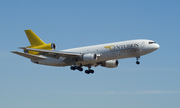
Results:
[110, 63]
[53, 46]
[50, 46]
[89, 57]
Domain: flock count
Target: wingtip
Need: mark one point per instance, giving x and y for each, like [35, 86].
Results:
[14, 52]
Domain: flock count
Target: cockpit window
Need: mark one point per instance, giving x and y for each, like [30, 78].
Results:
[151, 42]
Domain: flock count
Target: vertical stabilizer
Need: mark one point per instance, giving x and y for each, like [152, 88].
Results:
[33, 38]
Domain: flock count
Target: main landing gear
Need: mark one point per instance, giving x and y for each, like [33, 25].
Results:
[137, 58]
[76, 67]
[89, 70]
[81, 69]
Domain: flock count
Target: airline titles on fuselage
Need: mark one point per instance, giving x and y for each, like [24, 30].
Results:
[123, 48]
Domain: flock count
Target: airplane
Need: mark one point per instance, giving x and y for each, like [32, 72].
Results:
[105, 55]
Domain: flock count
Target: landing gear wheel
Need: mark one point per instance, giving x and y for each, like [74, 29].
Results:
[76, 68]
[72, 68]
[87, 71]
[137, 62]
[91, 71]
[137, 58]
[80, 69]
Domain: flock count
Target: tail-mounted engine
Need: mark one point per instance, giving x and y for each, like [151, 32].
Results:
[110, 63]
[50, 46]
[53, 46]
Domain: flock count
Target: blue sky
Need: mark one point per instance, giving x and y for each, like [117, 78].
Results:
[69, 23]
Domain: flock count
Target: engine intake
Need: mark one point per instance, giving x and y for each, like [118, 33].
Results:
[89, 57]
[53, 46]
[110, 63]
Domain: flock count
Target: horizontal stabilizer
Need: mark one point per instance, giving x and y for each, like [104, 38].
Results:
[30, 56]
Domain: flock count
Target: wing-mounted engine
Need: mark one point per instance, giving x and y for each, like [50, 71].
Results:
[89, 57]
[110, 63]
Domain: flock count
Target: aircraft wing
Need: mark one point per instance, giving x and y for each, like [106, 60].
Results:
[55, 54]
[30, 56]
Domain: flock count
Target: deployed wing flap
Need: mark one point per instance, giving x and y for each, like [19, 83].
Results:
[30, 56]
[57, 53]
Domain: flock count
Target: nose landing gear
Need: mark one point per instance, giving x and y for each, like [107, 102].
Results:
[137, 62]
[137, 58]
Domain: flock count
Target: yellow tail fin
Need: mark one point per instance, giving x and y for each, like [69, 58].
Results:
[33, 38]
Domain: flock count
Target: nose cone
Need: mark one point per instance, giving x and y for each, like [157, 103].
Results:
[152, 46]
[156, 46]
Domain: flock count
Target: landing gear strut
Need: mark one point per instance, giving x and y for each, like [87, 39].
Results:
[76, 67]
[137, 58]
[89, 70]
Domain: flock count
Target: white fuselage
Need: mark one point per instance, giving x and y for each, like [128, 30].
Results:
[109, 51]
